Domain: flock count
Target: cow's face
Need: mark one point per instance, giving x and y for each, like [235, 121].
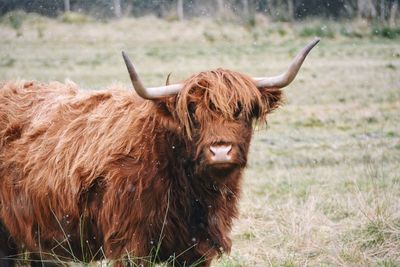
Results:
[218, 144]
[215, 112]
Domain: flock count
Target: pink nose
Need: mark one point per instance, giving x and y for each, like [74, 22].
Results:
[220, 154]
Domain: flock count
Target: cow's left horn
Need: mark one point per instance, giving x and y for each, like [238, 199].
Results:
[150, 93]
[286, 78]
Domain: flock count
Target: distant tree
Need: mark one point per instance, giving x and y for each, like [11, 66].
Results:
[393, 13]
[383, 11]
[366, 9]
[290, 9]
[269, 7]
[220, 8]
[246, 10]
[67, 6]
[179, 9]
[117, 8]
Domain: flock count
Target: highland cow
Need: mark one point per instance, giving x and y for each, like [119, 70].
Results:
[147, 177]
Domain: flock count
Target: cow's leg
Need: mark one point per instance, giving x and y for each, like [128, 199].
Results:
[8, 249]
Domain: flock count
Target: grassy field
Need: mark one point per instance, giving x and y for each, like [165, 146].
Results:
[323, 184]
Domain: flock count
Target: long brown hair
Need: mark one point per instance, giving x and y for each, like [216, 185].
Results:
[118, 164]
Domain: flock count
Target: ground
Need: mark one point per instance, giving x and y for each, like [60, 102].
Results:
[323, 183]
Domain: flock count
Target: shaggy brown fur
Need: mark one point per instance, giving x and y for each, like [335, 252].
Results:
[85, 172]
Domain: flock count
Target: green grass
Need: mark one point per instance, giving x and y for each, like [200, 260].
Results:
[386, 32]
[323, 183]
[317, 30]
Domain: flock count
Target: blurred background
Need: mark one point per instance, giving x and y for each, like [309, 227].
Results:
[322, 187]
[378, 11]
[155, 25]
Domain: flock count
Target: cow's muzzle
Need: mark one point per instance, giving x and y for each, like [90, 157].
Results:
[222, 156]
[219, 160]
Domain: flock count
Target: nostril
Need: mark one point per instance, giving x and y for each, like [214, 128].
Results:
[213, 150]
[221, 153]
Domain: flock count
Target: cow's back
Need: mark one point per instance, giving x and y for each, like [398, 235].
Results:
[63, 154]
[52, 143]
[21, 103]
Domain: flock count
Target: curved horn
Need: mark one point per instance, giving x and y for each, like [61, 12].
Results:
[150, 93]
[286, 78]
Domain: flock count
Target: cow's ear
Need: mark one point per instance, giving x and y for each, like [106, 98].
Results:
[273, 98]
[165, 108]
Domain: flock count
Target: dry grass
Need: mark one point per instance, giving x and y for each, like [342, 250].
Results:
[323, 184]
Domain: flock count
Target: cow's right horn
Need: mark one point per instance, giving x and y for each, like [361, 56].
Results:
[287, 77]
[150, 93]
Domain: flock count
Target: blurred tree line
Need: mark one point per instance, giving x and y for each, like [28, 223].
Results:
[384, 11]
